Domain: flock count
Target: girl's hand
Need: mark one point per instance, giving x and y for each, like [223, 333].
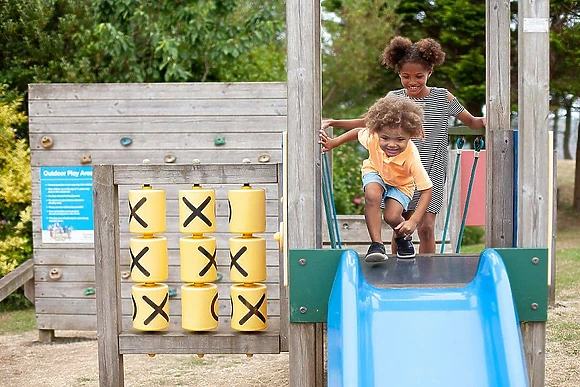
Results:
[326, 142]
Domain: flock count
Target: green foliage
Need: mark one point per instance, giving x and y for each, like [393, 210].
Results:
[15, 190]
[459, 25]
[472, 235]
[137, 41]
[348, 192]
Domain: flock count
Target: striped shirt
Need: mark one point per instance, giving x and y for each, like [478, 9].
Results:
[433, 148]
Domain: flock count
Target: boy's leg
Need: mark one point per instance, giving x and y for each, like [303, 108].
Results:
[374, 191]
[373, 199]
[406, 215]
[426, 231]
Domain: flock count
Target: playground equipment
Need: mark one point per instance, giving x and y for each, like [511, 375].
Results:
[126, 124]
[440, 321]
[116, 336]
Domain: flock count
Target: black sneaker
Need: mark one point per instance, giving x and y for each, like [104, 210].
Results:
[405, 249]
[376, 253]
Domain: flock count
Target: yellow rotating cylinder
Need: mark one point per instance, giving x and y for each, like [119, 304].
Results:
[198, 259]
[148, 259]
[147, 210]
[150, 306]
[249, 307]
[197, 210]
[199, 307]
[247, 210]
[248, 259]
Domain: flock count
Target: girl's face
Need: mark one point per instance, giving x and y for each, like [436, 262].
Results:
[414, 79]
[393, 141]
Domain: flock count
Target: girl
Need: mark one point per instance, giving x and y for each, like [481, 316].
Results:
[391, 173]
[414, 63]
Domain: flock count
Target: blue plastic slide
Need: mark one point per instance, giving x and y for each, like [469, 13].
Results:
[463, 335]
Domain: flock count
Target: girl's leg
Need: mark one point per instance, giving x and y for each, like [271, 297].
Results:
[373, 199]
[426, 231]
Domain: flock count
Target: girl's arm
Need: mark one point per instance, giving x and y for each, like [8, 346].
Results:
[329, 143]
[467, 118]
[345, 124]
[407, 227]
[471, 121]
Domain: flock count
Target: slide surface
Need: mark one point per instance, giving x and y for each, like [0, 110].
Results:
[464, 335]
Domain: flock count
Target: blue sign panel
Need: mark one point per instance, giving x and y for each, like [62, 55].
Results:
[66, 196]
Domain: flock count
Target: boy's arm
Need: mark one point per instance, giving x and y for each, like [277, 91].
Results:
[329, 143]
[407, 227]
[345, 124]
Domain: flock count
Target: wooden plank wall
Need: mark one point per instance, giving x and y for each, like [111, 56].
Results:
[181, 120]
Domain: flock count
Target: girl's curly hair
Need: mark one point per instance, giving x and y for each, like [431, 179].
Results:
[399, 51]
[392, 112]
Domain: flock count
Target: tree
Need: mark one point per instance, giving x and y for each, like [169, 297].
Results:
[136, 41]
[353, 79]
[15, 189]
[459, 26]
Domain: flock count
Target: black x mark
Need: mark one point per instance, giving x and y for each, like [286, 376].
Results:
[197, 212]
[213, 308]
[135, 261]
[234, 261]
[211, 259]
[134, 307]
[157, 310]
[252, 310]
[133, 212]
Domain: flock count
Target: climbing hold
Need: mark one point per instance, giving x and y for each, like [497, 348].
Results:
[46, 142]
[151, 354]
[169, 158]
[126, 141]
[246, 161]
[195, 162]
[125, 274]
[219, 276]
[89, 291]
[200, 355]
[478, 144]
[219, 140]
[172, 292]
[86, 159]
[264, 158]
[55, 274]
[146, 161]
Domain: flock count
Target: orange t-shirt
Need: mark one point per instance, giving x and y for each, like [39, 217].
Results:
[404, 171]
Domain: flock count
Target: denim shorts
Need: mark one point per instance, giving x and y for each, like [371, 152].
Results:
[389, 190]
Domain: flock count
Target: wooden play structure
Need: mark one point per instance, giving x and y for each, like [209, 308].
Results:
[225, 135]
[533, 207]
[81, 125]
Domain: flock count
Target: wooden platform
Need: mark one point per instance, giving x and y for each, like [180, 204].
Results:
[422, 271]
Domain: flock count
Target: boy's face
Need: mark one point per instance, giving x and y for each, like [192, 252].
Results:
[393, 140]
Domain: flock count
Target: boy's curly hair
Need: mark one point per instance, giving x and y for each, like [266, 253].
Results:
[392, 112]
[399, 51]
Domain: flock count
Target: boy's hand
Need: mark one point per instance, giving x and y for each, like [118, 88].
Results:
[326, 124]
[406, 227]
[326, 142]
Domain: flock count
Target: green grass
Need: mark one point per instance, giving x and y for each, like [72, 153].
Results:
[17, 321]
[567, 274]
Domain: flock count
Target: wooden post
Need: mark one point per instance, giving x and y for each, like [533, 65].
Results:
[533, 202]
[107, 281]
[304, 189]
[499, 222]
